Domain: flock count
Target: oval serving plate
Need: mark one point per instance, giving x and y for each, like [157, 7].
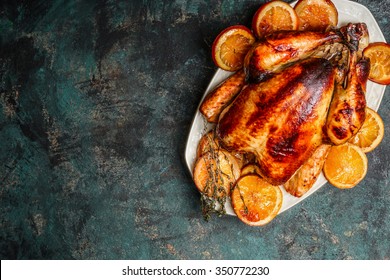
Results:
[348, 12]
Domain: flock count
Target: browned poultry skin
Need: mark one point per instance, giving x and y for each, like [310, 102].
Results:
[347, 111]
[305, 177]
[348, 108]
[221, 96]
[280, 49]
[280, 120]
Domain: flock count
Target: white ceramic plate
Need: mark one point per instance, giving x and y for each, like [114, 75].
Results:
[348, 12]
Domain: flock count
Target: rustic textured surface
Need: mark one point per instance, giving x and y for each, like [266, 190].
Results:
[96, 101]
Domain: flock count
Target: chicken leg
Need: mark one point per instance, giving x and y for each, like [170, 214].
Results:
[347, 111]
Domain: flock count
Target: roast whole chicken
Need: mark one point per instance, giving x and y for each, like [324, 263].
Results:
[300, 90]
[281, 120]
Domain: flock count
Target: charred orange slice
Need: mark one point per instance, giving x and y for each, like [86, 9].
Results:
[231, 46]
[274, 16]
[371, 133]
[345, 166]
[255, 201]
[316, 15]
[379, 55]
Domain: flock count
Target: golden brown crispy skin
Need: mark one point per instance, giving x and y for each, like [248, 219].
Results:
[282, 48]
[280, 120]
[307, 175]
[221, 96]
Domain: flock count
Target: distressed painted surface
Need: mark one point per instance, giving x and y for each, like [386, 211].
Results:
[96, 99]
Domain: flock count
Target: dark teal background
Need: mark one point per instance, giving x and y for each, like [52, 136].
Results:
[96, 100]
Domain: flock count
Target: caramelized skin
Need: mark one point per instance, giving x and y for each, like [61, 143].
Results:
[348, 108]
[221, 96]
[282, 48]
[280, 120]
[356, 37]
[308, 173]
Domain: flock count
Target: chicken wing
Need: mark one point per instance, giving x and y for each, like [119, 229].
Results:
[221, 96]
[280, 49]
[305, 177]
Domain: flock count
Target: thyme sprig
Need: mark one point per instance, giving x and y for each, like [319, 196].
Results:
[214, 195]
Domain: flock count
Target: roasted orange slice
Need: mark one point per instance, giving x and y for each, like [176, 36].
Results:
[207, 143]
[274, 16]
[210, 143]
[316, 15]
[255, 201]
[371, 133]
[379, 55]
[231, 46]
[215, 173]
[345, 166]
